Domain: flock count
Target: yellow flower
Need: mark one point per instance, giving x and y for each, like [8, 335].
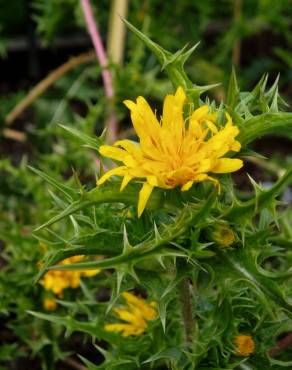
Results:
[173, 152]
[57, 281]
[50, 304]
[244, 345]
[136, 314]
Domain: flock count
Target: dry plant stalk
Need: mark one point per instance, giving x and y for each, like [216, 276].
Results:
[44, 84]
[117, 31]
[14, 135]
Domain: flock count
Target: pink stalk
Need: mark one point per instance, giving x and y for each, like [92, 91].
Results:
[102, 59]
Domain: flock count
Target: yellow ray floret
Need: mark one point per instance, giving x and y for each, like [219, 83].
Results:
[175, 151]
[57, 280]
[135, 316]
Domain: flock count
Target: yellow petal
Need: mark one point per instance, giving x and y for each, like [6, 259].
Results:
[212, 127]
[125, 315]
[152, 180]
[144, 195]
[199, 113]
[127, 178]
[126, 329]
[172, 117]
[187, 186]
[225, 165]
[143, 119]
[235, 147]
[130, 146]
[114, 153]
[119, 171]
[195, 129]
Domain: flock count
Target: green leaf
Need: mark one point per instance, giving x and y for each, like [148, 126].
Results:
[79, 136]
[265, 124]
[69, 192]
[162, 246]
[60, 255]
[173, 64]
[73, 325]
[264, 199]
[243, 265]
[107, 194]
[233, 90]
[173, 353]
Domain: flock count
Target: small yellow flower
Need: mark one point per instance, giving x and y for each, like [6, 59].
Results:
[136, 314]
[57, 281]
[50, 304]
[173, 152]
[244, 345]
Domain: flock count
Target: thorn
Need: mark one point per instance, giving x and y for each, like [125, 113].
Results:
[102, 351]
[189, 52]
[173, 58]
[103, 134]
[160, 261]
[112, 301]
[127, 247]
[120, 276]
[132, 272]
[156, 232]
[162, 311]
[78, 182]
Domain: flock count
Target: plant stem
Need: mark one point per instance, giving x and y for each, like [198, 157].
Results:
[111, 124]
[98, 46]
[187, 309]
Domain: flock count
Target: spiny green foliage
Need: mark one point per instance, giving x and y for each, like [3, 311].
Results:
[233, 290]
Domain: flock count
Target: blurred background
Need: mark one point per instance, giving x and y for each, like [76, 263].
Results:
[37, 36]
[40, 36]
[50, 76]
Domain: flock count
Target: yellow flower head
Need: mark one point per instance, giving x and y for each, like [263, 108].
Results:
[173, 152]
[136, 314]
[244, 345]
[57, 281]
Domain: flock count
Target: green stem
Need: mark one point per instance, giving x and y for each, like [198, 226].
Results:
[187, 309]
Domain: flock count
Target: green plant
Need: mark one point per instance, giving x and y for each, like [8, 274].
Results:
[210, 287]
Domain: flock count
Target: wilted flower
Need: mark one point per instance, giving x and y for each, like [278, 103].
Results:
[136, 314]
[244, 345]
[173, 152]
[222, 235]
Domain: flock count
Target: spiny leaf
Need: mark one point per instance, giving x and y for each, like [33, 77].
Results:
[265, 124]
[88, 141]
[244, 266]
[173, 64]
[250, 208]
[62, 254]
[150, 247]
[233, 90]
[108, 194]
[70, 193]
[74, 325]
